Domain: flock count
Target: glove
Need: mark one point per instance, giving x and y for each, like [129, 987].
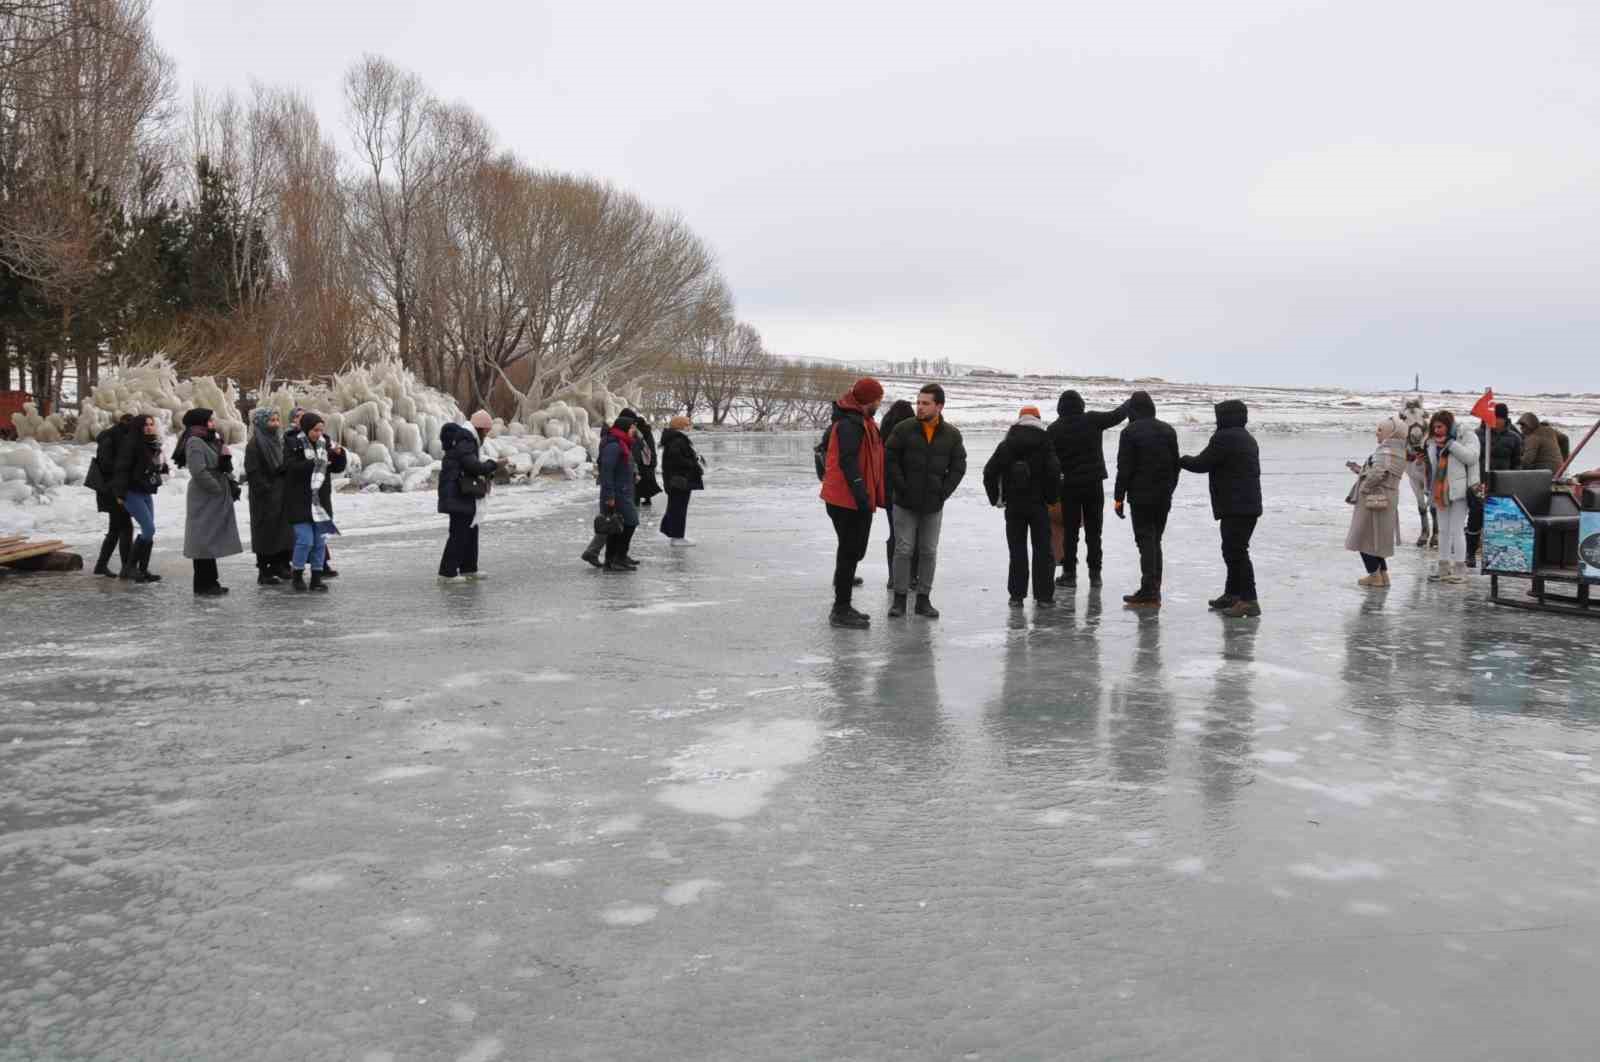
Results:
[1117, 506]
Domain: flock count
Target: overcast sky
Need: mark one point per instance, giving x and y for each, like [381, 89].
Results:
[1258, 191]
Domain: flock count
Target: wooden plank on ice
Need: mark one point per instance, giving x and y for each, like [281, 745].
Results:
[31, 549]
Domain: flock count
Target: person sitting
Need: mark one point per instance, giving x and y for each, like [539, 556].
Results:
[1541, 444]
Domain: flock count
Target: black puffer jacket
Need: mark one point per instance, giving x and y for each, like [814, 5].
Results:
[1233, 461]
[922, 474]
[460, 459]
[679, 459]
[108, 447]
[1078, 440]
[1505, 453]
[1023, 473]
[1147, 456]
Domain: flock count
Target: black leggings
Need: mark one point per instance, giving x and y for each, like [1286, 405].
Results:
[1374, 564]
[854, 530]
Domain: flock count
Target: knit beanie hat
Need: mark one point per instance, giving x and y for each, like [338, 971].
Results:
[1030, 411]
[308, 420]
[867, 391]
[482, 421]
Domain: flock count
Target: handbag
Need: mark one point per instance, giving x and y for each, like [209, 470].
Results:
[677, 482]
[94, 478]
[1375, 502]
[608, 523]
[474, 486]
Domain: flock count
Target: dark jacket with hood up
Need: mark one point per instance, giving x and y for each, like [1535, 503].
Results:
[1233, 461]
[923, 473]
[1078, 440]
[1147, 456]
[460, 459]
[139, 464]
[1023, 473]
[108, 447]
[679, 459]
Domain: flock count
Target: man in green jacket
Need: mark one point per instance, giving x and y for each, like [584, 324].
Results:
[925, 460]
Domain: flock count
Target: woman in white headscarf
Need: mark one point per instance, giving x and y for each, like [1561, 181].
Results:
[1375, 520]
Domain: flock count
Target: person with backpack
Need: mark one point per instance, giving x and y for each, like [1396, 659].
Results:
[137, 478]
[685, 473]
[1024, 476]
[101, 479]
[646, 485]
[850, 463]
[1078, 438]
[925, 461]
[1232, 460]
[1147, 476]
[308, 469]
[464, 480]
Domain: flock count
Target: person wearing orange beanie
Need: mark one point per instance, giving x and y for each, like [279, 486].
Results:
[850, 465]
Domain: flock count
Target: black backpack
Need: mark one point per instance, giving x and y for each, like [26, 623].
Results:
[819, 453]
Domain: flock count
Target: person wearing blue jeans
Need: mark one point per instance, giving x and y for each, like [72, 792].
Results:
[134, 483]
[309, 463]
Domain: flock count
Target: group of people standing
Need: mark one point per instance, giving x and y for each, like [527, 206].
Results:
[1444, 463]
[627, 470]
[291, 504]
[914, 461]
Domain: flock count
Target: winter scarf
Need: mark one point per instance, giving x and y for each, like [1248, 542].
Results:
[1441, 476]
[269, 442]
[625, 440]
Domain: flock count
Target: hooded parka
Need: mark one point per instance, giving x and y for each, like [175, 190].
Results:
[1233, 461]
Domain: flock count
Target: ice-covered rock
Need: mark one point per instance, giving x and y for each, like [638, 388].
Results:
[154, 387]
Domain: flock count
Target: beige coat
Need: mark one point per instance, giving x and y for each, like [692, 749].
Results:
[1375, 531]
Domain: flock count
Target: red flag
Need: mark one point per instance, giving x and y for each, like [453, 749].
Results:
[1484, 410]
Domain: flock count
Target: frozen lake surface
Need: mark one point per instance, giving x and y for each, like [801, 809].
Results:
[674, 815]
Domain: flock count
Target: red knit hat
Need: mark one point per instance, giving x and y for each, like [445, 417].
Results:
[1030, 411]
[867, 391]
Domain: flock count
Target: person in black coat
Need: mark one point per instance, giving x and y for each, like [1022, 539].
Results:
[898, 411]
[135, 482]
[1147, 474]
[271, 532]
[924, 461]
[119, 525]
[1233, 461]
[309, 465]
[685, 472]
[461, 460]
[1024, 476]
[645, 460]
[1077, 436]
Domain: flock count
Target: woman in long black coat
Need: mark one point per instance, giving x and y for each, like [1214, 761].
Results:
[119, 525]
[271, 536]
[684, 472]
[461, 460]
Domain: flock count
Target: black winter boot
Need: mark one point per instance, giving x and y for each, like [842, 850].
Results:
[1221, 604]
[328, 573]
[298, 580]
[848, 618]
[1069, 577]
[107, 547]
[898, 608]
[317, 583]
[141, 562]
[1095, 582]
[925, 607]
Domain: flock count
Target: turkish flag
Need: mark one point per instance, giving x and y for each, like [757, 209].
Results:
[1484, 410]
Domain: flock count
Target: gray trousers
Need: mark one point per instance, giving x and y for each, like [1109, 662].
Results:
[917, 532]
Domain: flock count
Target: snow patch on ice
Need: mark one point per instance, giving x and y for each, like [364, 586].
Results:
[408, 925]
[619, 824]
[395, 774]
[668, 608]
[319, 881]
[1358, 871]
[1511, 803]
[1062, 816]
[1367, 907]
[732, 775]
[462, 1012]
[1111, 862]
[687, 892]
[1276, 756]
[634, 914]
[555, 868]
[1190, 866]
[485, 1050]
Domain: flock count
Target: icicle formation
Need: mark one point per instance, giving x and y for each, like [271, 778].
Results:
[153, 387]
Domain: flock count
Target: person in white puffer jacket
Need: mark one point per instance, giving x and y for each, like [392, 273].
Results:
[1452, 473]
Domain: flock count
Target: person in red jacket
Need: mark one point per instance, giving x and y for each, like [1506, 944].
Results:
[852, 490]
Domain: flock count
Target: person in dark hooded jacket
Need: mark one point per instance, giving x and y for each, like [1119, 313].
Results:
[1147, 474]
[271, 532]
[119, 525]
[1233, 461]
[852, 490]
[1077, 436]
[461, 460]
[1024, 476]
[646, 484]
[135, 483]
